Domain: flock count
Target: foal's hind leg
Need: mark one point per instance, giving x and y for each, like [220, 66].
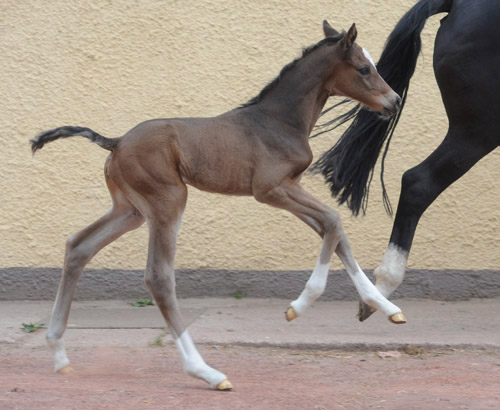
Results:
[80, 248]
[160, 279]
[421, 185]
[325, 221]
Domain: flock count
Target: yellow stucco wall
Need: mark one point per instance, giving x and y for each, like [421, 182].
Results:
[110, 64]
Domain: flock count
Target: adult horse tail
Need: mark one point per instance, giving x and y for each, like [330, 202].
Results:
[348, 166]
[64, 132]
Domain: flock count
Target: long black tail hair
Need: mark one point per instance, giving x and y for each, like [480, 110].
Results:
[348, 166]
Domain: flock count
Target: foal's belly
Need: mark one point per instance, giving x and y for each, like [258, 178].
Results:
[216, 156]
[223, 177]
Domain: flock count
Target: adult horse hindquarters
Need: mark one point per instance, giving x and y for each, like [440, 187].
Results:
[467, 68]
[259, 149]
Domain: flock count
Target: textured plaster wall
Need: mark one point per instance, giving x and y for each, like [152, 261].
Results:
[110, 64]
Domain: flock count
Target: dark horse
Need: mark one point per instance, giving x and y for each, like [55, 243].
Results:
[260, 149]
[467, 69]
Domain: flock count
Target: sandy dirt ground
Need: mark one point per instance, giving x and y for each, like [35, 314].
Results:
[151, 377]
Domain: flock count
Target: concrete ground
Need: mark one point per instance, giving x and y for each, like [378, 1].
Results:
[261, 322]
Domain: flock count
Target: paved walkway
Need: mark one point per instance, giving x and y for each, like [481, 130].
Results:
[261, 322]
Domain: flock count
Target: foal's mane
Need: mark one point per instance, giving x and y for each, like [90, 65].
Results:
[289, 67]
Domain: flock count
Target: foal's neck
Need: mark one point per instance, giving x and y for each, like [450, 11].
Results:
[299, 97]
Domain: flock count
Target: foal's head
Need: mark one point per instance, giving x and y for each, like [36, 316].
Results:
[355, 75]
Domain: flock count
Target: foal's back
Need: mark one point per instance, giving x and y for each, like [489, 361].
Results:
[224, 154]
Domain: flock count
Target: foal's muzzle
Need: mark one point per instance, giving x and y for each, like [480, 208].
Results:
[392, 108]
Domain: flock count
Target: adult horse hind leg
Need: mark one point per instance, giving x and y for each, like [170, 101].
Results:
[164, 223]
[325, 221]
[421, 185]
[80, 248]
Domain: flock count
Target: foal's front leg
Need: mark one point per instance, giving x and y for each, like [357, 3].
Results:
[325, 221]
[389, 275]
[370, 294]
[160, 279]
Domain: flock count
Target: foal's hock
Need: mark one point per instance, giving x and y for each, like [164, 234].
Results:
[259, 149]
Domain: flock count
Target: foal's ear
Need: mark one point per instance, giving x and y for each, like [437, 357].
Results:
[329, 30]
[349, 38]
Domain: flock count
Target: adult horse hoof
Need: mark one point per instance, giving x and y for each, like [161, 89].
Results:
[224, 385]
[290, 314]
[397, 318]
[66, 370]
[365, 311]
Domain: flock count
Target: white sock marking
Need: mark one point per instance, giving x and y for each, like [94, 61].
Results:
[315, 286]
[60, 358]
[371, 295]
[194, 365]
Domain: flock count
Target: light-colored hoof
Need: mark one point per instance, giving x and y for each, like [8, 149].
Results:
[224, 385]
[290, 314]
[66, 370]
[397, 318]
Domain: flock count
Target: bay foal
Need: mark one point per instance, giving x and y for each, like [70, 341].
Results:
[259, 149]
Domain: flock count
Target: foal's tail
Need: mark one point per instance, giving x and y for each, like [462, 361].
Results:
[348, 165]
[64, 132]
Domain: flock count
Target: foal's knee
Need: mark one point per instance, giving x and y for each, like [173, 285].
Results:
[76, 255]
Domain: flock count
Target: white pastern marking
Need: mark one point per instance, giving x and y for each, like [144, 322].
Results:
[369, 58]
[391, 271]
[194, 365]
[60, 358]
[371, 295]
[315, 286]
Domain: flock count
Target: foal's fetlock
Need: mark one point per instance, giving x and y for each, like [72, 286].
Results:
[371, 304]
[201, 370]
[312, 291]
[61, 361]
[394, 314]
[295, 310]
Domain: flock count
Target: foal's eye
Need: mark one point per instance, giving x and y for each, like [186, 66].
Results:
[364, 70]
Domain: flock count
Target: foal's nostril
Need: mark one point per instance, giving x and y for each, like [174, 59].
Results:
[397, 105]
